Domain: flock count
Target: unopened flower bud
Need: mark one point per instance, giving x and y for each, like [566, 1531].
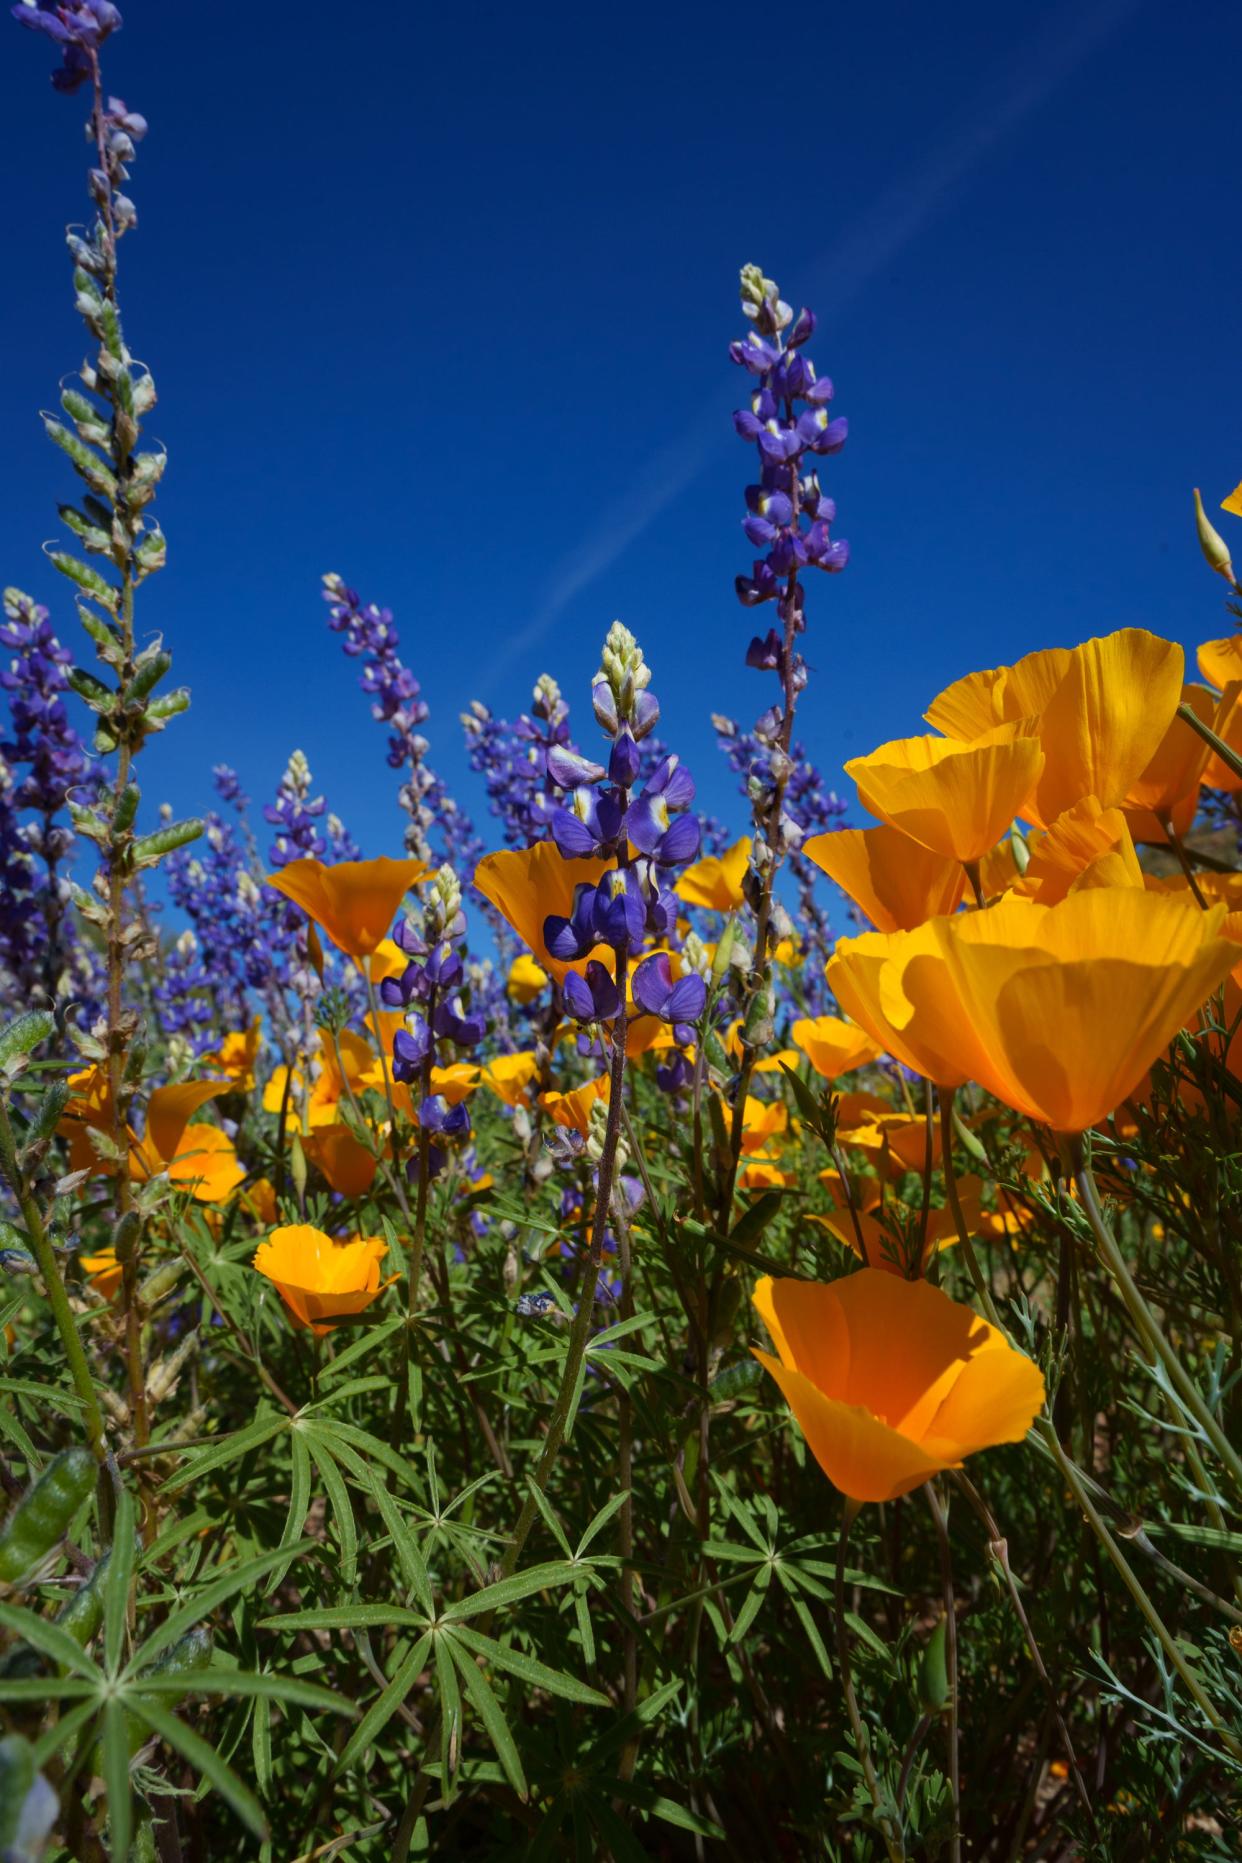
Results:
[1212, 544]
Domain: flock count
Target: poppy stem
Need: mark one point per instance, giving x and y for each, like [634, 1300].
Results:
[893, 1845]
[1146, 1323]
[1179, 848]
[955, 1204]
[999, 1548]
[941, 1523]
[1209, 736]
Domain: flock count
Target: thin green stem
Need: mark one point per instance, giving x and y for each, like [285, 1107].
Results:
[1209, 736]
[940, 1521]
[892, 1843]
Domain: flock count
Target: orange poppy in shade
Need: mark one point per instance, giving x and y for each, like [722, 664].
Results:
[1220, 661]
[526, 980]
[893, 1245]
[236, 1056]
[573, 1109]
[763, 1121]
[1057, 1010]
[201, 1159]
[1100, 711]
[529, 885]
[510, 1075]
[1227, 724]
[353, 902]
[1167, 792]
[104, 1271]
[890, 1380]
[319, 1278]
[834, 1047]
[341, 1158]
[1086, 846]
[897, 882]
[716, 883]
[955, 797]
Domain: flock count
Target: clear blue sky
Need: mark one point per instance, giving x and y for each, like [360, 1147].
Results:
[440, 299]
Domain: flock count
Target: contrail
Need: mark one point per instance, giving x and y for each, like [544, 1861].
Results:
[903, 210]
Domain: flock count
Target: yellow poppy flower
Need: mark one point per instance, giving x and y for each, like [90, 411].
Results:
[1099, 711]
[952, 796]
[834, 1047]
[897, 882]
[236, 1056]
[353, 902]
[716, 882]
[526, 979]
[510, 1075]
[1234, 501]
[890, 1380]
[319, 1278]
[1057, 1010]
[529, 885]
[1227, 724]
[1220, 661]
[762, 1122]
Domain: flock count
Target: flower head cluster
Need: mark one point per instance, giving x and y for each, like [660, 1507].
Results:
[370, 634]
[788, 515]
[431, 993]
[515, 760]
[296, 816]
[78, 27]
[42, 737]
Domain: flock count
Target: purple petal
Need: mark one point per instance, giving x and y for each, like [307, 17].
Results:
[687, 999]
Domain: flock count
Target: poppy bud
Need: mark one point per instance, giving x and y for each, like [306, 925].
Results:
[1212, 544]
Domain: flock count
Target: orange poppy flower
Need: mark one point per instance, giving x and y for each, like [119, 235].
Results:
[955, 797]
[1220, 661]
[1057, 1010]
[1167, 792]
[1099, 710]
[353, 902]
[890, 1380]
[716, 883]
[341, 1158]
[509, 1076]
[763, 1122]
[529, 885]
[897, 882]
[104, 1272]
[1227, 724]
[898, 1253]
[1086, 846]
[834, 1047]
[319, 1278]
[573, 1109]
[201, 1159]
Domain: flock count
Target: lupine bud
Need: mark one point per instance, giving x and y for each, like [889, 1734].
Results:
[1212, 544]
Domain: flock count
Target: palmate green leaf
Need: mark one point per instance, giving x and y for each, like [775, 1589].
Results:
[117, 1582]
[62, 1734]
[386, 1703]
[644, 1798]
[527, 1669]
[45, 1688]
[299, 1507]
[347, 1617]
[256, 1684]
[342, 1506]
[226, 1585]
[752, 1603]
[10, 1427]
[509, 1590]
[369, 1341]
[237, 1443]
[802, 1611]
[50, 1640]
[413, 1565]
[116, 1777]
[600, 1520]
[619, 1841]
[204, 1759]
[627, 1725]
[450, 1717]
[491, 1714]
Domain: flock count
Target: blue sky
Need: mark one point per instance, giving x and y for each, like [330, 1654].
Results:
[441, 299]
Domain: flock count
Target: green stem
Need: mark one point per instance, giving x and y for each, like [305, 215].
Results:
[893, 1845]
[947, 1096]
[940, 1521]
[1146, 1322]
[58, 1299]
[1209, 736]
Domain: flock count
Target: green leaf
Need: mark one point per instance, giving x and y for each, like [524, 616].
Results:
[509, 1590]
[237, 1443]
[117, 1582]
[21, 1036]
[600, 1520]
[409, 1555]
[227, 1583]
[346, 1617]
[251, 1683]
[491, 1714]
[386, 1704]
[205, 1761]
[299, 1507]
[342, 1506]
[527, 1669]
[49, 1639]
[116, 1777]
[450, 1716]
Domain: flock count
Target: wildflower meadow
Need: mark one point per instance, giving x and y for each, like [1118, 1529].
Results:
[586, 1330]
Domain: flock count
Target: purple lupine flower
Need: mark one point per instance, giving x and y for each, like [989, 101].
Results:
[227, 785]
[436, 1115]
[411, 1046]
[655, 990]
[593, 998]
[78, 27]
[296, 815]
[650, 822]
[516, 761]
[453, 1023]
[587, 823]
